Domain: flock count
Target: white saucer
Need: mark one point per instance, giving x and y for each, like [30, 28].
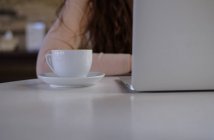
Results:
[55, 81]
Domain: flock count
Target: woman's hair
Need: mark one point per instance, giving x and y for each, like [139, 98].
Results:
[109, 26]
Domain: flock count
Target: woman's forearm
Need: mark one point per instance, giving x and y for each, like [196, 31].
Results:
[111, 64]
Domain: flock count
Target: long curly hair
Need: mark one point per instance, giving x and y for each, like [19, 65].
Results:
[109, 27]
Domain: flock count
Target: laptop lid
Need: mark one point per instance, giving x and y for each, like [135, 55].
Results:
[173, 45]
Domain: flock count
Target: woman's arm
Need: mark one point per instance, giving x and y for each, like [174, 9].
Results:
[112, 64]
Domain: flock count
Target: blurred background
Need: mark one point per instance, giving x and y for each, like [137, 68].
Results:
[23, 24]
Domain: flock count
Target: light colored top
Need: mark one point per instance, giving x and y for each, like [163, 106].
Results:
[31, 110]
[66, 36]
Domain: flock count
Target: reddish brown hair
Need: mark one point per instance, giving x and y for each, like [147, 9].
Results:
[109, 26]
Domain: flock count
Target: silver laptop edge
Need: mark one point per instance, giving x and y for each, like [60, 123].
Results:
[173, 45]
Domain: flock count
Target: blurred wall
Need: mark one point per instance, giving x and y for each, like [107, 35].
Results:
[23, 11]
[32, 9]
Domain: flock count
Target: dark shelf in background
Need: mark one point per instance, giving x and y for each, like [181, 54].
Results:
[17, 65]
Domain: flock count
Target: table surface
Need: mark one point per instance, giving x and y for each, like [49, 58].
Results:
[31, 110]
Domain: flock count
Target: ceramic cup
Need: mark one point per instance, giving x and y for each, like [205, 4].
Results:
[69, 63]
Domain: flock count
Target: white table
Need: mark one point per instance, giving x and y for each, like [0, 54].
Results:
[31, 110]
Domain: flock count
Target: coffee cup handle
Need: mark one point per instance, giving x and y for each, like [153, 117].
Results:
[49, 61]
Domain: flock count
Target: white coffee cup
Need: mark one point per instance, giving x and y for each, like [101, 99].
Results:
[69, 63]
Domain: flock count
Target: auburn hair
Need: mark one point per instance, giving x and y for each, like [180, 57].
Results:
[109, 26]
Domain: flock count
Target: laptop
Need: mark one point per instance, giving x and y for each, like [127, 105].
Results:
[173, 45]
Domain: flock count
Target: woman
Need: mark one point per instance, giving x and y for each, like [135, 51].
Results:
[102, 25]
